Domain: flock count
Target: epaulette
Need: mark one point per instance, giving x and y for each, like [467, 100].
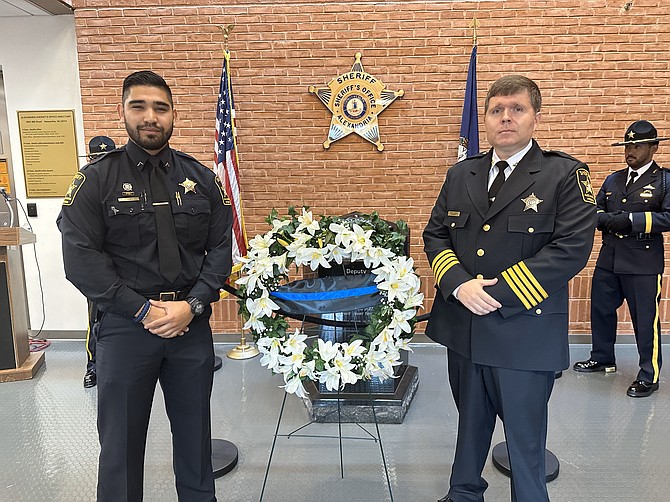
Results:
[561, 154]
[99, 157]
[472, 157]
[190, 157]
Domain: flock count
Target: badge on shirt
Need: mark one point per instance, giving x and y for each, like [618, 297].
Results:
[72, 191]
[532, 201]
[585, 187]
[189, 185]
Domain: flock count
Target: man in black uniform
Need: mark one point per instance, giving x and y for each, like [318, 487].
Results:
[633, 210]
[509, 229]
[98, 146]
[147, 238]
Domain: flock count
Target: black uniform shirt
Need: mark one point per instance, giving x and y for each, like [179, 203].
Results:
[110, 248]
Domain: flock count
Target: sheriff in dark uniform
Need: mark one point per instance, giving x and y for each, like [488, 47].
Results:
[509, 229]
[146, 237]
[633, 211]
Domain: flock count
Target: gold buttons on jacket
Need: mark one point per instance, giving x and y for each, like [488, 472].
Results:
[486, 227]
[452, 224]
[624, 200]
[480, 252]
[538, 311]
[480, 276]
[531, 230]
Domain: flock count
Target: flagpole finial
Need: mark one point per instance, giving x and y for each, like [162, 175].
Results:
[474, 25]
[226, 29]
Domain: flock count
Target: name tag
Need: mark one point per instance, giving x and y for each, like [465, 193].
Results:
[453, 213]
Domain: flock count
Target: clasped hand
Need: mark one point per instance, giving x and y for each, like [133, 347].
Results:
[619, 224]
[168, 319]
[473, 296]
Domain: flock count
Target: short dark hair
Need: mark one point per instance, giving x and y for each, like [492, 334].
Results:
[514, 84]
[145, 77]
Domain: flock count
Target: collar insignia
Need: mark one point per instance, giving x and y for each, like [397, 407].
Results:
[189, 186]
[531, 202]
[649, 187]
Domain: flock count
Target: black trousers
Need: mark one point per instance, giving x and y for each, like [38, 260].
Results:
[643, 295]
[520, 399]
[130, 360]
[91, 337]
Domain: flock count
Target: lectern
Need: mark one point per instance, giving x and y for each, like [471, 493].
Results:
[16, 360]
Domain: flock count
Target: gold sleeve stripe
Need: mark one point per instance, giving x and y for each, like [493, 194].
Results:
[532, 278]
[647, 222]
[513, 287]
[524, 284]
[444, 268]
[441, 258]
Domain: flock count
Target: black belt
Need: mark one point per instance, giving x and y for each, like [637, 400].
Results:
[167, 296]
[639, 236]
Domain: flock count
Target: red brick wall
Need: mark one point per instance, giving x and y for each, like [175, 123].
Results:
[599, 67]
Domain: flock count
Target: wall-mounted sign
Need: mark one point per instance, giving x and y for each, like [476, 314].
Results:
[355, 99]
[49, 148]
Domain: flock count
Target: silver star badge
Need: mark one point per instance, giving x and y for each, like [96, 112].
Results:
[532, 201]
[189, 186]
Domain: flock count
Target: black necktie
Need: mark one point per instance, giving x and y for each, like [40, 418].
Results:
[498, 181]
[168, 249]
[633, 175]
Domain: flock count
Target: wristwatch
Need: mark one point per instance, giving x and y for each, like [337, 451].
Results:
[197, 307]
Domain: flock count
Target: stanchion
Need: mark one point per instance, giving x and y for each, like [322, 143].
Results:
[243, 350]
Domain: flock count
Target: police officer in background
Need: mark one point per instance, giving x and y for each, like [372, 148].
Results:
[509, 229]
[147, 238]
[98, 146]
[633, 211]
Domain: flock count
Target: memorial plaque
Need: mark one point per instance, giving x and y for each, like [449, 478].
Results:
[49, 149]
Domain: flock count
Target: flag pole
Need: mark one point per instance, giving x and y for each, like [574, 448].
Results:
[243, 350]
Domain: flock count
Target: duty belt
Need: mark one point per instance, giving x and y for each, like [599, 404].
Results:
[167, 296]
[639, 236]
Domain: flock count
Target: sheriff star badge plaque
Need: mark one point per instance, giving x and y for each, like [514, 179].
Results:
[355, 99]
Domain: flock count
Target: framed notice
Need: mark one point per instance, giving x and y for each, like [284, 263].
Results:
[49, 148]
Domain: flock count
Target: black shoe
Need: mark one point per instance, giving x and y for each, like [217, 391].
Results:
[90, 379]
[640, 388]
[591, 366]
[445, 499]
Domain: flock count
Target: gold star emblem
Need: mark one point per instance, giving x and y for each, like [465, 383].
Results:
[189, 186]
[631, 135]
[531, 202]
[102, 146]
[587, 185]
[355, 99]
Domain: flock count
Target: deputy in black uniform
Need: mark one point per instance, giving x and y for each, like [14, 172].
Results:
[98, 146]
[509, 229]
[633, 211]
[147, 238]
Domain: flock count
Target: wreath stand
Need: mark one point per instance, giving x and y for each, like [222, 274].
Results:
[338, 397]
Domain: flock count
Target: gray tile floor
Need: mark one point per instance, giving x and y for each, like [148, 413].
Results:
[611, 447]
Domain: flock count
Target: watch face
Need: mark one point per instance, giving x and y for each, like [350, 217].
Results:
[198, 309]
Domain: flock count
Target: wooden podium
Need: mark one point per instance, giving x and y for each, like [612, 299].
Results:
[16, 360]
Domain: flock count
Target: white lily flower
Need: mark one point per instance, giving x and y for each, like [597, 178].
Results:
[374, 256]
[279, 224]
[261, 241]
[295, 343]
[331, 377]
[335, 253]
[383, 273]
[308, 370]
[294, 386]
[414, 300]
[299, 240]
[384, 340]
[343, 365]
[404, 266]
[270, 348]
[262, 306]
[353, 349]
[293, 361]
[361, 239]
[403, 344]
[307, 222]
[314, 257]
[254, 323]
[327, 350]
[395, 287]
[399, 322]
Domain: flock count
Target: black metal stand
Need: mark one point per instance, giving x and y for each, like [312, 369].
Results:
[224, 453]
[340, 437]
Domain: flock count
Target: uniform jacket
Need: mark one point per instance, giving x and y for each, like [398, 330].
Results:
[110, 249]
[648, 201]
[534, 238]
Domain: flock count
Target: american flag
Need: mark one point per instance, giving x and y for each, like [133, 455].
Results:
[226, 160]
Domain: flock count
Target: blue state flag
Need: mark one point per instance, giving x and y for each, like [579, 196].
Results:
[468, 144]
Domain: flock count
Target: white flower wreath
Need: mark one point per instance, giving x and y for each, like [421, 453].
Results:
[303, 240]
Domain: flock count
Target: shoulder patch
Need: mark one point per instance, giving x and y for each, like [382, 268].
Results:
[72, 191]
[224, 197]
[585, 187]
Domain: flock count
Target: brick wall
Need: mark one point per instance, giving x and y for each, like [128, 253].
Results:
[598, 65]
